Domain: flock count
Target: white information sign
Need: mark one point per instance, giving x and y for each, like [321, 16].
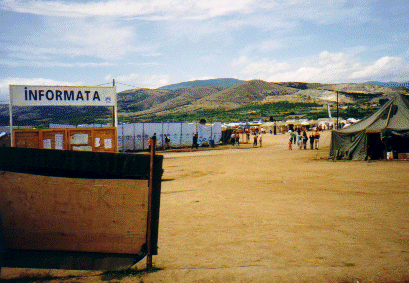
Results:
[30, 95]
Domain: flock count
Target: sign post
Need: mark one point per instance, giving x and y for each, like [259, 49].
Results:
[37, 95]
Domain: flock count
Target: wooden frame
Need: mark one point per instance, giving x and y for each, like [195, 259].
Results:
[104, 139]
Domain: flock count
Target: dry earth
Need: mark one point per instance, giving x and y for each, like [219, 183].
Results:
[273, 215]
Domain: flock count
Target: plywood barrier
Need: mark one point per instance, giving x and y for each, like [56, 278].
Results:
[87, 203]
[71, 214]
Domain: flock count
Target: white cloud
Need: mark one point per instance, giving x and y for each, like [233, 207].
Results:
[100, 38]
[97, 38]
[4, 84]
[322, 11]
[259, 69]
[152, 9]
[390, 68]
[325, 68]
[51, 64]
[142, 81]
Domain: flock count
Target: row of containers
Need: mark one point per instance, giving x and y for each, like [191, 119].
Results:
[135, 136]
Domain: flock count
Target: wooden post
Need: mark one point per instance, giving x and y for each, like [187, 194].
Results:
[149, 224]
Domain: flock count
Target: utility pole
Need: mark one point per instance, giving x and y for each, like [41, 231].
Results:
[337, 112]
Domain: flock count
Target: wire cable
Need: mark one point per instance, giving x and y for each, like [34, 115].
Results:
[129, 85]
[104, 84]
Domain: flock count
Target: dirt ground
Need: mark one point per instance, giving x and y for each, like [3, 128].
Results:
[272, 215]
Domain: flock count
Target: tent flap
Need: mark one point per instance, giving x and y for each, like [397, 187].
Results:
[348, 146]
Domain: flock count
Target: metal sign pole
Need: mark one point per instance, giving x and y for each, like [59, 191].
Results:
[115, 108]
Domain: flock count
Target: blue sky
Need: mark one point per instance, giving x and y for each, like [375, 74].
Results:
[151, 43]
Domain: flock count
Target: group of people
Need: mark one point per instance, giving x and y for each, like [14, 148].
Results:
[152, 141]
[301, 138]
[257, 138]
[235, 139]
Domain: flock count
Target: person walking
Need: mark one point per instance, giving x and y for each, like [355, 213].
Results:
[167, 142]
[290, 140]
[261, 140]
[233, 139]
[304, 139]
[312, 137]
[316, 139]
[255, 139]
[194, 144]
[152, 142]
[299, 141]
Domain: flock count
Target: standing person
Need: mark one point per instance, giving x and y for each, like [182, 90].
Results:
[298, 130]
[304, 139]
[237, 138]
[317, 139]
[290, 140]
[194, 144]
[312, 140]
[233, 139]
[261, 140]
[152, 141]
[299, 141]
[255, 140]
[167, 141]
[247, 136]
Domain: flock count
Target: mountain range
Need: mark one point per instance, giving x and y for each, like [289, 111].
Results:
[226, 82]
[211, 96]
[390, 84]
[218, 94]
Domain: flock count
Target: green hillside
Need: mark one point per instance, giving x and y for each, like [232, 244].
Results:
[246, 101]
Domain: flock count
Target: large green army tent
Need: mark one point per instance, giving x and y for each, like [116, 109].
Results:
[387, 130]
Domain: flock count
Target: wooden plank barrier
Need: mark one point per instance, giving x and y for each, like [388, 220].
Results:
[55, 205]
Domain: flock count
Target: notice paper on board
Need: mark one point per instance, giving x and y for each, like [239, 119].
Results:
[97, 142]
[108, 143]
[47, 143]
[79, 139]
[59, 141]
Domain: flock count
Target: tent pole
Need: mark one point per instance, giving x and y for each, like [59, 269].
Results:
[337, 113]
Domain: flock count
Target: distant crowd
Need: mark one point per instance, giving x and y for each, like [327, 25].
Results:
[297, 136]
[300, 137]
[257, 137]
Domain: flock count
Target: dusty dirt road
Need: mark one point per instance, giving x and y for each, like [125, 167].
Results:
[273, 215]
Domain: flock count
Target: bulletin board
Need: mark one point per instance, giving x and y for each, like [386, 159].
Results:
[77, 139]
